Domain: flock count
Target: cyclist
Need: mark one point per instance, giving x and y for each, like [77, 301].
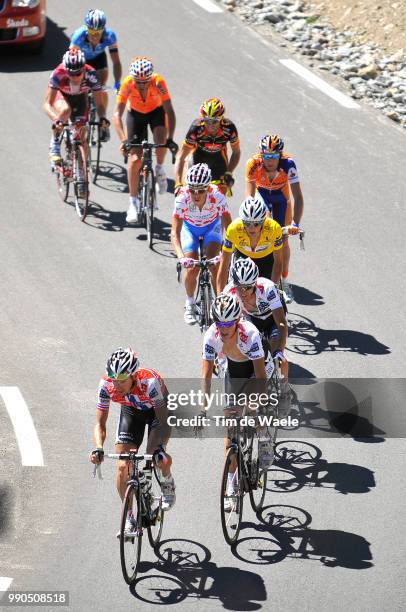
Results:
[141, 393]
[200, 210]
[93, 38]
[260, 302]
[253, 234]
[149, 103]
[207, 141]
[238, 343]
[271, 173]
[67, 99]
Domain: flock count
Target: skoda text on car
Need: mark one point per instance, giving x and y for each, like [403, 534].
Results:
[23, 22]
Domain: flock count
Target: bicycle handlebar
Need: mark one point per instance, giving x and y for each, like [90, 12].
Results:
[121, 456]
[301, 234]
[145, 145]
[197, 263]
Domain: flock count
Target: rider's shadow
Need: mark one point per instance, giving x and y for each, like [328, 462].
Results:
[112, 177]
[305, 297]
[197, 576]
[107, 220]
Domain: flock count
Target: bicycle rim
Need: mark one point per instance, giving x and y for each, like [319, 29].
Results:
[150, 211]
[61, 171]
[157, 514]
[96, 168]
[144, 220]
[206, 309]
[81, 198]
[231, 505]
[257, 477]
[130, 547]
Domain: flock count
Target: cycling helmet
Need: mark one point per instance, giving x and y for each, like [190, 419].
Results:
[198, 175]
[73, 60]
[141, 68]
[226, 308]
[253, 210]
[122, 361]
[95, 19]
[271, 143]
[244, 272]
[212, 109]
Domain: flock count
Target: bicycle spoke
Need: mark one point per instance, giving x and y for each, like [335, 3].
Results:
[130, 543]
[231, 497]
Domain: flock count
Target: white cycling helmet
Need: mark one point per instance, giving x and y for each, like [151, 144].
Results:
[122, 363]
[95, 19]
[73, 60]
[226, 308]
[141, 68]
[198, 175]
[253, 209]
[244, 272]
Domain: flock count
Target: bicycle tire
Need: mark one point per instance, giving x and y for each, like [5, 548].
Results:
[150, 209]
[96, 169]
[81, 201]
[231, 520]
[206, 310]
[130, 548]
[155, 529]
[62, 171]
[257, 477]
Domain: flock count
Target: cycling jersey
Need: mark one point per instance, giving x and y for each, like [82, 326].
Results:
[270, 239]
[199, 138]
[215, 206]
[156, 94]
[79, 39]
[61, 80]
[148, 391]
[266, 297]
[248, 342]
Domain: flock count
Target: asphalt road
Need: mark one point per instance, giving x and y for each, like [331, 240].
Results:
[72, 292]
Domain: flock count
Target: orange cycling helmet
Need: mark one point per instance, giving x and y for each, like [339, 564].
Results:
[212, 109]
[271, 143]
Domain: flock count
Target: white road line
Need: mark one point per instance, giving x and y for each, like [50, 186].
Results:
[209, 6]
[5, 583]
[26, 434]
[320, 84]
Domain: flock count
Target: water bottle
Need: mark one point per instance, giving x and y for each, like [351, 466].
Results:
[145, 481]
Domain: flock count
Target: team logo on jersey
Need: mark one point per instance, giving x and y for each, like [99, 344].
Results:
[263, 306]
[209, 350]
[227, 244]
[271, 295]
[153, 393]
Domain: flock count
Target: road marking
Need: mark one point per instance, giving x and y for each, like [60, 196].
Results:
[26, 434]
[5, 583]
[320, 84]
[209, 6]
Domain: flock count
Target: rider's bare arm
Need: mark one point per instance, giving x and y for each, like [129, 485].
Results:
[225, 221]
[277, 266]
[183, 153]
[170, 113]
[280, 320]
[175, 236]
[99, 432]
[99, 103]
[298, 202]
[223, 270]
[206, 374]
[234, 158]
[118, 120]
[117, 68]
[49, 102]
[250, 188]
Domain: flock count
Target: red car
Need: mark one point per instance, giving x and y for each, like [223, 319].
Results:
[23, 22]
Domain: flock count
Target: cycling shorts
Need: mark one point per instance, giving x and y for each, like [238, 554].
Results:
[216, 162]
[131, 425]
[279, 207]
[99, 62]
[78, 103]
[189, 236]
[137, 123]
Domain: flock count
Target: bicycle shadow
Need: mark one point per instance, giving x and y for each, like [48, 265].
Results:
[185, 571]
[107, 220]
[284, 533]
[307, 339]
[112, 177]
[305, 297]
[19, 59]
[299, 464]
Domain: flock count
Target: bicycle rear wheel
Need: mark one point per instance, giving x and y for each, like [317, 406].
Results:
[130, 546]
[231, 497]
[63, 172]
[257, 476]
[157, 514]
[150, 209]
[81, 183]
[94, 151]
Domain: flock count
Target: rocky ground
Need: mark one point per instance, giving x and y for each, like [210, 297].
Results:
[360, 41]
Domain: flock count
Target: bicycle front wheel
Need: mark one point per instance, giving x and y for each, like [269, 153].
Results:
[150, 209]
[63, 172]
[257, 477]
[157, 514]
[206, 308]
[231, 496]
[130, 544]
[81, 183]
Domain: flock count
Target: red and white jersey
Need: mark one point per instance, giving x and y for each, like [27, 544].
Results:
[214, 207]
[147, 392]
[266, 297]
[61, 80]
[248, 342]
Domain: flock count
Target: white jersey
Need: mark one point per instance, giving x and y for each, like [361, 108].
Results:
[214, 207]
[266, 297]
[248, 342]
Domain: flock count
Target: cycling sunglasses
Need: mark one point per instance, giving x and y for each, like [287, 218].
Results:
[75, 73]
[211, 121]
[118, 377]
[201, 190]
[252, 223]
[226, 324]
[244, 287]
[142, 81]
[270, 155]
[95, 32]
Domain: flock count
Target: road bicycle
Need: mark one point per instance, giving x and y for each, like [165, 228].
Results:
[147, 185]
[143, 503]
[204, 290]
[73, 168]
[94, 139]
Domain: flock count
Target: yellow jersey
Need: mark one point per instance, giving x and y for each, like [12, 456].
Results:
[270, 239]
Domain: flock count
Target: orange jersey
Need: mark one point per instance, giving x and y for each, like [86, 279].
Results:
[287, 174]
[157, 93]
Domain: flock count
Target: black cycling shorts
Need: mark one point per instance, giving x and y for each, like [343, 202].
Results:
[137, 123]
[79, 104]
[131, 425]
[265, 264]
[215, 161]
[99, 62]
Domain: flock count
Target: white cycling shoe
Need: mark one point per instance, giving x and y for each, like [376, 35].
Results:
[287, 291]
[132, 213]
[190, 314]
[161, 179]
[168, 494]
